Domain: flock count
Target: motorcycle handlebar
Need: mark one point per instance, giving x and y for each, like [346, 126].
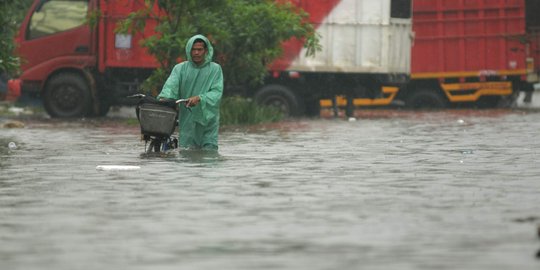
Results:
[178, 101]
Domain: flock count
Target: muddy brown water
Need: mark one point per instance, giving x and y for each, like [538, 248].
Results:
[392, 190]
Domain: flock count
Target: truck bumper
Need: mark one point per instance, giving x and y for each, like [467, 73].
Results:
[14, 90]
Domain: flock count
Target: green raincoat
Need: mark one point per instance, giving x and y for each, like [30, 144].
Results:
[199, 127]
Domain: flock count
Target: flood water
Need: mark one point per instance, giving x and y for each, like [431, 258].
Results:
[392, 190]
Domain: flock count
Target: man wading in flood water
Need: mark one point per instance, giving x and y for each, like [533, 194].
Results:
[201, 82]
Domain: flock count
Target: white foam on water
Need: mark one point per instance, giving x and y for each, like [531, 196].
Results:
[535, 102]
[117, 168]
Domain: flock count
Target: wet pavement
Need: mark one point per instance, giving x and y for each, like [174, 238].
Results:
[394, 189]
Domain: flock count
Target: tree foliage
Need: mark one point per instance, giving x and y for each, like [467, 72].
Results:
[11, 14]
[246, 34]
[240, 111]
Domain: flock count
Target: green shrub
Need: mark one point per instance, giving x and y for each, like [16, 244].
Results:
[237, 111]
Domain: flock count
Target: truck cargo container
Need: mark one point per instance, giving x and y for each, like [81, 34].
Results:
[473, 51]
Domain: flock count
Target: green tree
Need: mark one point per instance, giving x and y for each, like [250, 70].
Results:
[11, 14]
[246, 34]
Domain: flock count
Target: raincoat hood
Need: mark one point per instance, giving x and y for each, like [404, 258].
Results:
[210, 49]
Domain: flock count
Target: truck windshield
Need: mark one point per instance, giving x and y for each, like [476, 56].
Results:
[55, 16]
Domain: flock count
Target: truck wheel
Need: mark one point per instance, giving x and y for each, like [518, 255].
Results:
[67, 95]
[426, 99]
[313, 107]
[280, 97]
[104, 107]
[487, 102]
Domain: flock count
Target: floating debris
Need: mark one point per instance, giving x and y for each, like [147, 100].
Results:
[527, 219]
[16, 110]
[12, 146]
[12, 124]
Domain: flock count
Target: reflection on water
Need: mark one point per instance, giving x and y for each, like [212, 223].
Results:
[185, 156]
[393, 190]
[200, 156]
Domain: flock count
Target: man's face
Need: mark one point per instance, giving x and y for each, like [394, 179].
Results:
[198, 52]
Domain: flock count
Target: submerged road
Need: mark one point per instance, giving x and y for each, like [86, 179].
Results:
[400, 190]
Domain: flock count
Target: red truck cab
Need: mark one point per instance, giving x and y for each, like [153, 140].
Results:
[80, 69]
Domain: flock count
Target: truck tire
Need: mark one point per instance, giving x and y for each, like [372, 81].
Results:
[312, 107]
[104, 107]
[426, 99]
[488, 102]
[281, 97]
[67, 95]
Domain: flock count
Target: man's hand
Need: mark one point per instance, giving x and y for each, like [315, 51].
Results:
[193, 101]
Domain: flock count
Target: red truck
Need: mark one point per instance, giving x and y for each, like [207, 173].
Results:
[469, 53]
[448, 53]
[472, 51]
[81, 70]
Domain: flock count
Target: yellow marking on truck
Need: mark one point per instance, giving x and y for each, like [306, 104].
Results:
[455, 91]
[389, 93]
[464, 74]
